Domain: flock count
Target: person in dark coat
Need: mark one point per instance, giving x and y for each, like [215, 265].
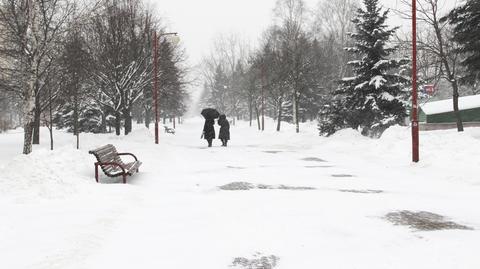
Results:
[224, 134]
[209, 131]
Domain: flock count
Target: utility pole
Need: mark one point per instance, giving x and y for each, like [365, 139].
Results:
[415, 127]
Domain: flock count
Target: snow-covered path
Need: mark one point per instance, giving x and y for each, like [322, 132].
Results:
[173, 215]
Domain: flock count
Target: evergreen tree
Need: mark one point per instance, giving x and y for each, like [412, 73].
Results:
[373, 99]
[466, 28]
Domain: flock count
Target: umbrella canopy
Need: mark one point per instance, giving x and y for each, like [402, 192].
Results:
[210, 113]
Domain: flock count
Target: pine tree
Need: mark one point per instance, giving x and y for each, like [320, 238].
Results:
[373, 99]
[466, 22]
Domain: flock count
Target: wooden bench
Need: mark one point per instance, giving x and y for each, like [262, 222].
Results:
[169, 130]
[112, 165]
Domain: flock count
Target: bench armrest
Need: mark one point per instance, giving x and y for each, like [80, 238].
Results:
[112, 164]
[129, 154]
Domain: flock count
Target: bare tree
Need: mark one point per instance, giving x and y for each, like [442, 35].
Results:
[333, 20]
[119, 35]
[32, 30]
[441, 45]
[290, 18]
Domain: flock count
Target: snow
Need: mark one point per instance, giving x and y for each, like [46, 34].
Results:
[387, 96]
[378, 81]
[438, 107]
[174, 215]
[380, 64]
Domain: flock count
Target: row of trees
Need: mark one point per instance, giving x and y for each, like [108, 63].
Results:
[86, 66]
[291, 73]
[342, 64]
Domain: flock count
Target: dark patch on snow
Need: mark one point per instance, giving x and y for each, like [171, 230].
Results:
[342, 175]
[236, 167]
[314, 159]
[237, 186]
[272, 151]
[258, 261]
[424, 221]
[245, 186]
[362, 191]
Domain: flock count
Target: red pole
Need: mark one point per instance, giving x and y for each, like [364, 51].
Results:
[415, 127]
[155, 82]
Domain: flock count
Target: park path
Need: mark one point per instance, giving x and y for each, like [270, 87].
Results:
[184, 220]
[312, 203]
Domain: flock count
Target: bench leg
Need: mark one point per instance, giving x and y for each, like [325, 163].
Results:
[124, 179]
[96, 172]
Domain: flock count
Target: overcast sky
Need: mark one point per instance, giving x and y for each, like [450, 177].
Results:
[199, 21]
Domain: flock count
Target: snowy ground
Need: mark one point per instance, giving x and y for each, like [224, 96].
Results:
[174, 215]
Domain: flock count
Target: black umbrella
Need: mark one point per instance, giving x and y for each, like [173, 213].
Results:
[210, 113]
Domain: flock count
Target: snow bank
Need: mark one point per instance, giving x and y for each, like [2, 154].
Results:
[46, 174]
[444, 155]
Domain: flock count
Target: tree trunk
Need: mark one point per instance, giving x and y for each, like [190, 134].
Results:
[263, 114]
[28, 133]
[456, 108]
[258, 118]
[11, 120]
[279, 117]
[76, 127]
[250, 112]
[51, 117]
[36, 122]
[75, 113]
[104, 123]
[128, 121]
[174, 126]
[118, 123]
[51, 136]
[28, 114]
[450, 73]
[295, 112]
[78, 140]
[147, 118]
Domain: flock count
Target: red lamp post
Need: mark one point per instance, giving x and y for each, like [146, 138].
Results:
[415, 127]
[155, 79]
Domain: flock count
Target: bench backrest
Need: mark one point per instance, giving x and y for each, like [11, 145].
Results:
[107, 154]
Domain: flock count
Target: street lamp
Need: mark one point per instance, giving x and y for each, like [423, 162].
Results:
[174, 40]
[415, 127]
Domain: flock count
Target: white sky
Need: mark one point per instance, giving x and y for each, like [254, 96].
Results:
[199, 21]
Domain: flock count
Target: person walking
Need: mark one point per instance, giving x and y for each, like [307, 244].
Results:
[209, 131]
[224, 134]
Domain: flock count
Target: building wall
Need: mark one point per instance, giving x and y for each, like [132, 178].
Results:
[469, 115]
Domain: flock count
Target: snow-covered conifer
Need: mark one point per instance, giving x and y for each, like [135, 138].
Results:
[373, 99]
